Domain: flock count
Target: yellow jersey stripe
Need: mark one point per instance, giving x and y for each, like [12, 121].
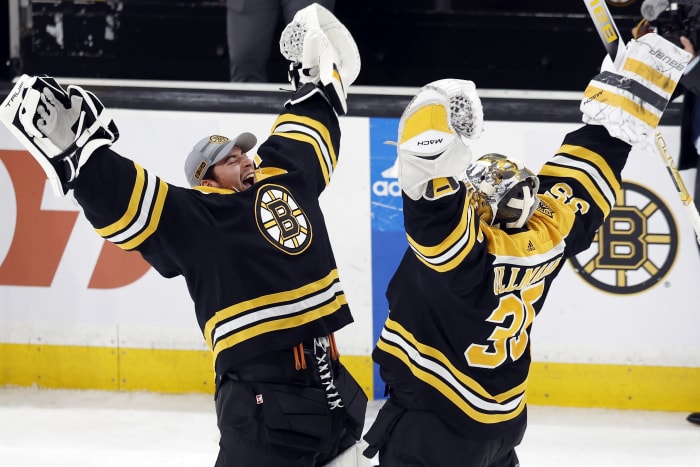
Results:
[132, 209]
[279, 324]
[303, 124]
[582, 177]
[595, 159]
[450, 252]
[268, 301]
[154, 221]
[438, 356]
[448, 392]
[312, 141]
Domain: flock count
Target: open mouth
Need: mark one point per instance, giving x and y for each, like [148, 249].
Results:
[248, 181]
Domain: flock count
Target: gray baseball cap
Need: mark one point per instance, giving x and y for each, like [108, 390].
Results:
[210, 150]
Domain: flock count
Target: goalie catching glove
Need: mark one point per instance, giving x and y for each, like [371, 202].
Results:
[324, 56]
[630, 102]
[60, 128]
[432, 151]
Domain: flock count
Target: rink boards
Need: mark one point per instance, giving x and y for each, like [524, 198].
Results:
[619, 329]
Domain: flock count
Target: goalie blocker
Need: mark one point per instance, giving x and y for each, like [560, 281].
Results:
[629, 102]
[60, 128]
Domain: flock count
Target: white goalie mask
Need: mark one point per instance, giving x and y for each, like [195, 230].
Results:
[507, 190]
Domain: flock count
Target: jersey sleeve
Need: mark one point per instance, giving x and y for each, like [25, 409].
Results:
[304, 138]
[134, 209]
[585, 175]
[444, 235]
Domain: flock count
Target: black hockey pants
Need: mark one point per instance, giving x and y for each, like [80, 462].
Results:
[269, 416]
[412, 436]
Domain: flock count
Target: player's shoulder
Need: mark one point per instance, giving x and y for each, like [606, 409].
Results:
[555, 212]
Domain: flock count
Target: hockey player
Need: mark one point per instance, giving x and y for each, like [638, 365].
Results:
[250, 242]
[486, 239]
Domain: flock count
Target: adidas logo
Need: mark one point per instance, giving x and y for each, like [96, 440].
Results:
[530, 246]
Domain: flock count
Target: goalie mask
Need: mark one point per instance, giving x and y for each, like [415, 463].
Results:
[506, 190]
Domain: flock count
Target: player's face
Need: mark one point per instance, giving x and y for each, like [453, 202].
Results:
[235, 171]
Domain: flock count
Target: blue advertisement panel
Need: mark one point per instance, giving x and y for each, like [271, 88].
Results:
[388, 237]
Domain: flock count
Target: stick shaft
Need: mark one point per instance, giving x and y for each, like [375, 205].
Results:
[683, 193]
[606, 28]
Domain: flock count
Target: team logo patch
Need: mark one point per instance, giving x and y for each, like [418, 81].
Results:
[635, 248]
[217, 139]
[545, 209]
[281, 220]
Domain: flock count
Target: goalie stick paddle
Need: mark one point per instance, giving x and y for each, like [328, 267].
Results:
[610, 36]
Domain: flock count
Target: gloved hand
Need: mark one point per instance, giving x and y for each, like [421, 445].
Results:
[323, 53]
[432, 133]
[54, 120]
[629, 102]
[60, 128]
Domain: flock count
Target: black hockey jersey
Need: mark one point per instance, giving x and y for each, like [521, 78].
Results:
[258, 264]
[464, 297]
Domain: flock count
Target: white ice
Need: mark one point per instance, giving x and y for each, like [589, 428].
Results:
[66, 428]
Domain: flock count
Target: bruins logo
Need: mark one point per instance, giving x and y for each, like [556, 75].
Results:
[281, 220]
[635, 248]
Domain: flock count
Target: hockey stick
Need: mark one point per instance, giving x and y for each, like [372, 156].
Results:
[610, 35]
[606, 29]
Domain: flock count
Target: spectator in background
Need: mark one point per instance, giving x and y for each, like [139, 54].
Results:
[689, 156]
[250, 30]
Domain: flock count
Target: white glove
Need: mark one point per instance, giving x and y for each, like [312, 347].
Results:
[60, 128]
[630, 102]
[322, 52]
[432, 130]
[55, 122]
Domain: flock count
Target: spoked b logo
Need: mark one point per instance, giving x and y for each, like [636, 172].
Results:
[635, 248]
[281, 220]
